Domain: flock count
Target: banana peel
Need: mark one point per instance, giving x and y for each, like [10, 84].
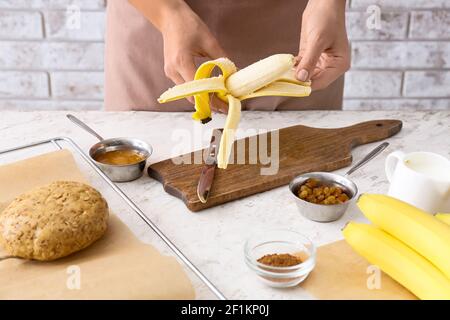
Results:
[272, 76]
[231, 124]
[202, 101]
[444, 217]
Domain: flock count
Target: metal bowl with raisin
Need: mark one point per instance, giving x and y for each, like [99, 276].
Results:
[322, 196]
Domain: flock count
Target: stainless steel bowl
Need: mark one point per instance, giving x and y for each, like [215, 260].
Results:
[322, 212]
[127, 172]
[332, 212]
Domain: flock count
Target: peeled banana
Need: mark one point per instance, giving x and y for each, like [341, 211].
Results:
[444, 217]
[259, 74]
[414, 227]
[398, 260]
[272, 76]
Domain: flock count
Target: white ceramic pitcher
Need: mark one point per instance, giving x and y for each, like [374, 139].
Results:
[421, 179]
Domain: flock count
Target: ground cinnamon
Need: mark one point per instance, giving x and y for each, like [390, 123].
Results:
[280, 260]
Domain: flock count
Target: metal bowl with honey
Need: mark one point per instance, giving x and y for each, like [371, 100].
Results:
[122, 159]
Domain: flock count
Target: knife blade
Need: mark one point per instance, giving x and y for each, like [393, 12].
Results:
[206, 179]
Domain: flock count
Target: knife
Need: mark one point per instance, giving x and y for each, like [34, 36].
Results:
[206, 179]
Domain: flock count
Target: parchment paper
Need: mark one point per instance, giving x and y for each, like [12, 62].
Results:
[118, 266]
[340, 273]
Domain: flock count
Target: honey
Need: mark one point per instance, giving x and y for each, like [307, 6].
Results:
[119, 157]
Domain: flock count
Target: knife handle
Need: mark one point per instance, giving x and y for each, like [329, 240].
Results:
[205, 182]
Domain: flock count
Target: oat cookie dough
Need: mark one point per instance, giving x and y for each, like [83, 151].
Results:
[53, 221]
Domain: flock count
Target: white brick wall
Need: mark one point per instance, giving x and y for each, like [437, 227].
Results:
[91, 26]
[16, 84]
[20, 25]
[403, 65]
[77, 84]
[46, 65]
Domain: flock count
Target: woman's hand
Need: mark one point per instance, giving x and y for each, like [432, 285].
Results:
[324, 52]
[186, 36]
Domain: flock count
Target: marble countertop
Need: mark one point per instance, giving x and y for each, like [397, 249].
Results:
[214, 238]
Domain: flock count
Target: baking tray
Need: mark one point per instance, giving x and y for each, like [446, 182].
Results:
[124, 207]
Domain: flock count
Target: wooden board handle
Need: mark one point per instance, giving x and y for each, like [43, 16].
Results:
[370, 131]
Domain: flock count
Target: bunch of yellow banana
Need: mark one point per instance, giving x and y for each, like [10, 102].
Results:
[272, 76]
[407, 243]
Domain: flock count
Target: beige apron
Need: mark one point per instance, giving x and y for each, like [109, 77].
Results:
[248, 30]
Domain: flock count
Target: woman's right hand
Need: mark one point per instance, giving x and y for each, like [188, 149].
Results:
[186, 36]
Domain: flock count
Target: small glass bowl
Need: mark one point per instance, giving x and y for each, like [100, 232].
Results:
[280, 241]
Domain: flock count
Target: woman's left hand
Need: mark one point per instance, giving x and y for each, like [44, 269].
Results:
[324, 53]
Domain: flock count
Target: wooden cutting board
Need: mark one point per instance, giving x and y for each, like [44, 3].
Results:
[301, 149]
